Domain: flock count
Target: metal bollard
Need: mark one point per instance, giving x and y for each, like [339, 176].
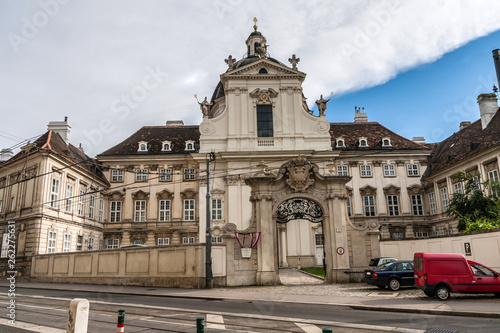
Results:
[120, 326]
[200, 325]
[327, 330]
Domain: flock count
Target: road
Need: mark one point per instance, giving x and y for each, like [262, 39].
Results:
[49, 308]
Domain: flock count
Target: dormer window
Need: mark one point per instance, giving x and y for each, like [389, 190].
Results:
[340, 143]
[189, 145]
[166, 146]
[143, 146]
[386, 142]
[363, 142]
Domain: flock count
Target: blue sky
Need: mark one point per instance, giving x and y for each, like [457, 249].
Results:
[431, 99]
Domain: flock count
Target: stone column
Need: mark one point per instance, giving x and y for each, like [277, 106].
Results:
[266, 249]
[284, 246]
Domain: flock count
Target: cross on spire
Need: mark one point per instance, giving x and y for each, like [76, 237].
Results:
[294, 61]
[255, 23]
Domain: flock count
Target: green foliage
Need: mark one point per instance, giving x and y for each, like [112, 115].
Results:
[473, 209]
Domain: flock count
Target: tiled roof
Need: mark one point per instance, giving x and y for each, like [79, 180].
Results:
[465, 144]
[154, 136]
[374, 132]
[53, 143]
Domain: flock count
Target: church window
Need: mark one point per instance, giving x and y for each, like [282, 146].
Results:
[264, 121]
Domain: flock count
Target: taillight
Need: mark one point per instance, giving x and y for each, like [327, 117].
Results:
[375, 275]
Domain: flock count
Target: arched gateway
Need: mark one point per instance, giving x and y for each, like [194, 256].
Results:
[299, 191]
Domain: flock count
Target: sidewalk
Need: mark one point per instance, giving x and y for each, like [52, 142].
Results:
[358, 296]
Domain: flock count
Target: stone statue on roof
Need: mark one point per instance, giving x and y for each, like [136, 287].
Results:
[261, 49]
[204, 106]
[321, 103]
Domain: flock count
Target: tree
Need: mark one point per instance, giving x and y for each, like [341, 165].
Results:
[473, 209]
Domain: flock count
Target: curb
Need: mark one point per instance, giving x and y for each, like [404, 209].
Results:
[352, 306]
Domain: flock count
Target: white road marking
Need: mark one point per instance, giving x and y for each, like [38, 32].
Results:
[309, 328]
[32, 327]
[215, 321]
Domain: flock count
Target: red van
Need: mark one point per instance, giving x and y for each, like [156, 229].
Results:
[439, 274]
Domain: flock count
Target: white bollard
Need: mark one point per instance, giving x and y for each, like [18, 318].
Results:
[78, 316]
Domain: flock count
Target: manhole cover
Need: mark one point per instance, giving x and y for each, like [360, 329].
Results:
[440, 330]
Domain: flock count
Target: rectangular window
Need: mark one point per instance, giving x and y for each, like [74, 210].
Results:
[369, 203]
[164, 209]
[101, 210]
[69, 199]
[54, 193]
[432, 203]
[117, 175]
[67, 243]
[448, 232]
[5, 245]
[165, 175]
[318, 238]
[113, 243]
[141, 175]
[163, 241]
[389, 170]
[397, 235]
[264, 121]
[217, 240]
[188, 209]
[416, 203]
[216, 209]
[342, 170]
[81, 203]
[349, 211]
[140, 211]
[366, 170]
[392, 203]
[458, 188]
[493, 178]
[476, 184]
[51, 242]
[91, 206]
[115, 211]
[444, 198]
[412, 170]
[421, 234]
[101, 244]
[187, 240]
[91, 244]
[189, 174]
[12, 204]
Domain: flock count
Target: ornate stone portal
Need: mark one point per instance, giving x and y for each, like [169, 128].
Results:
[300, 191]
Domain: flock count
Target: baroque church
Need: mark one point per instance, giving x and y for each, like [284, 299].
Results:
[286, 187]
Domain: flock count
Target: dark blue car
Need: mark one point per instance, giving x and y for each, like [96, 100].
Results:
[392, 274]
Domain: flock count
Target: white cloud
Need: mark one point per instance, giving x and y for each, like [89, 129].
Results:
[90, 53]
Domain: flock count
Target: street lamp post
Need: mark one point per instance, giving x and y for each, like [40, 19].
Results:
[208, 260]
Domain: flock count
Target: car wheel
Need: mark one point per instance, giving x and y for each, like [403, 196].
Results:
[394, 284]
[428, 293]
[381, 287]
[442, 293]
[497, 294]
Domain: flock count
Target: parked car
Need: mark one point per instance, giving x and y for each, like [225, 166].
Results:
[393, 274]
[439, 274]
[375, 262]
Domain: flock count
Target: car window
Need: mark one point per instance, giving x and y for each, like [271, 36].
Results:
[384, 266]
[480, 270]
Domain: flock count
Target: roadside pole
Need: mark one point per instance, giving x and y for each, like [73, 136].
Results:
[208, 260]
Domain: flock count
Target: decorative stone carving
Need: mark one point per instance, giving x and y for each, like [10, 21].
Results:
[294, 61]
[204, 106]
[368, 190]
[116, 195]
[207, 129]
[140, 195]
[229, 229]
[232, 179]
[392, 189]
[299, 173]
[188, 194]
[230, 62]
[264, 96]
[415, 189]
[165, 195]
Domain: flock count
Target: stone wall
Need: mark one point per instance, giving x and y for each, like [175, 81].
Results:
[484, 246]
[180, 266]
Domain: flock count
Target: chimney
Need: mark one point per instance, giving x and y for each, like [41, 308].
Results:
[496, 60]
[488, 106]
[359, 115]
[80, 148]
[418, 139]
[6, 154]
[62, 128]
[464, 124]
[175, 123]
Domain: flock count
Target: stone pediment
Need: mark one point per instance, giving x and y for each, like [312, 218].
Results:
[255, 68]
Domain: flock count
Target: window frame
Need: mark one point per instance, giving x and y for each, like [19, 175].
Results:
[165, 175]
[5, 245]
[365, 170]
[167, 211]
[189, 174]
[369, 207]
[389, 170]
[417, 204]
[445, 198]
[100, 212]
[67, 242]
[141, 175]
[189, 213]
[265, 121]
[162, 240]
[217, 209]
[342, 170]
[117, 176]
[92, 207]
[115, 243]
[412, 170]
[51, 241]
[432, 203]
[392, 205]
[90, 245]
[54, 193]
[68, 206]
[188, 240]
[140, 214]
[81, 203]
[115, 211]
